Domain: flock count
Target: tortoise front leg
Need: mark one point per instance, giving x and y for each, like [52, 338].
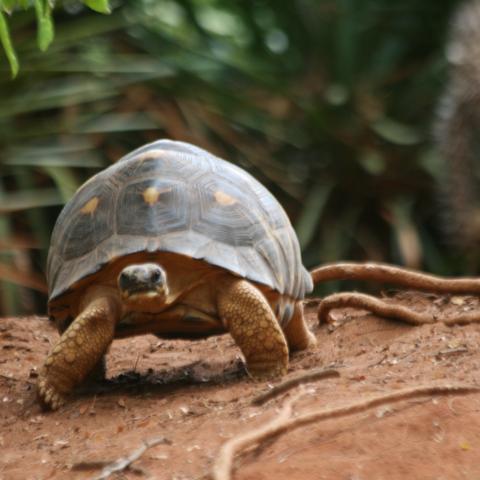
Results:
[250, 320]
[78, 351]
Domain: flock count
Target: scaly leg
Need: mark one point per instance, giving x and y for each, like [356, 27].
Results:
[98, 373]
[78, 351]
[299, 337]
[251, 322]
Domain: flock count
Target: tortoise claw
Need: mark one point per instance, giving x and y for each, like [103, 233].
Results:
[48, 395]
[266, 370]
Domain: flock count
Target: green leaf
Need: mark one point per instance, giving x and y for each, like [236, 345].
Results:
[7, 45]
[312, 213]
[8, 5]
[102, 6]
[395, 132]
[45, 32]
[66, 181]
[27, 199]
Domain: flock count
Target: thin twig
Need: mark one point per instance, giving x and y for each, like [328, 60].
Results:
[452, 351]
[283, 421]
[223, 465]
[124, 462]
[374, 305]
[384, 273]
[290, 383]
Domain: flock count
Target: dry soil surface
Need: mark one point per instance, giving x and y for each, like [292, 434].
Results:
[197, 396]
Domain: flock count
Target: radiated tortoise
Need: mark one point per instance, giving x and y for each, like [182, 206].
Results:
[173, 241]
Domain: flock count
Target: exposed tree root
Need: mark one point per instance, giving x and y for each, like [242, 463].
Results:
[373, 305]
[463, 319]
[223, 464]
[284, 422]
[383, 273]
[310, 376]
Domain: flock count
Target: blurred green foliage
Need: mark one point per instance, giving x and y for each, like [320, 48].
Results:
[329, 103]
[45, 30]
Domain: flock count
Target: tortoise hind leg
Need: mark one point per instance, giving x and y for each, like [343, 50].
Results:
[299, 337]
[78, 351]
[250, 320]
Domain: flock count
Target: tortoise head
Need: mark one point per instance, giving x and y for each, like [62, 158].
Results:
[143, 286]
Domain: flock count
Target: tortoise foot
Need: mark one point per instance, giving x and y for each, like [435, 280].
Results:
[266, 369]
[78, 353]
[49, 396]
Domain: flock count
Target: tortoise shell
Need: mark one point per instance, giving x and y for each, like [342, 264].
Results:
[174, 197]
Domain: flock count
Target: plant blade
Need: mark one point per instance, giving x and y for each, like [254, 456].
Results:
[6, 41]
[45, 32]
[101, 6]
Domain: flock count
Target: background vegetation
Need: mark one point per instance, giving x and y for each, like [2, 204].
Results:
[329, 103]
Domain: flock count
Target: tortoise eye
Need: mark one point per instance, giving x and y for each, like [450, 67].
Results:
[155, 276]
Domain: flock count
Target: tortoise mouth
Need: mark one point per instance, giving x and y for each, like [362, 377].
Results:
[144, 291]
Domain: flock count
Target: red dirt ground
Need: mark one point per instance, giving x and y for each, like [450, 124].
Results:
[197, 395]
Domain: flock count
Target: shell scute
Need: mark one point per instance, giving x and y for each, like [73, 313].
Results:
[135, 216]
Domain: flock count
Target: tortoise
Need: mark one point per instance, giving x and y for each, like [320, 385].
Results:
[173, 241]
